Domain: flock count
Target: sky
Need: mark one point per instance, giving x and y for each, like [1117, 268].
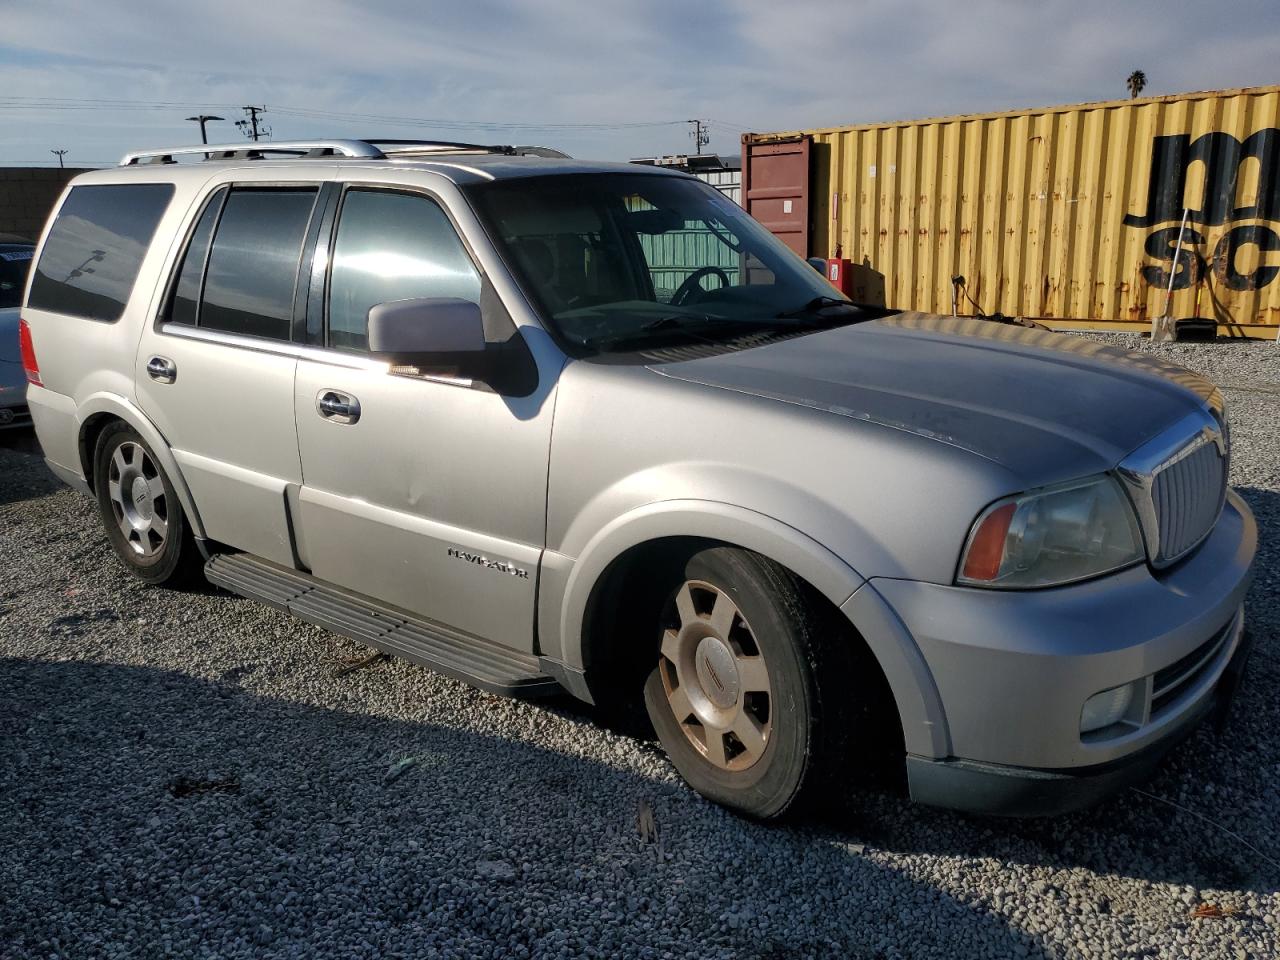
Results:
[599, 79]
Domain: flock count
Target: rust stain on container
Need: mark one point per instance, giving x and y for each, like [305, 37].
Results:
[1077, 208]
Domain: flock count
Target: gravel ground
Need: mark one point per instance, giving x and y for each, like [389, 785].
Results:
[184, 775]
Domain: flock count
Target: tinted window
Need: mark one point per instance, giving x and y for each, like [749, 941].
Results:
[186, 292]
[95, 247]
[392, 246]
[15, 261]
[253, 266]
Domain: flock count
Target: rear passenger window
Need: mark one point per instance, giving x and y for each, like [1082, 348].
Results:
[392, 246]
[95, 248]
[253, 265]
[185, 302]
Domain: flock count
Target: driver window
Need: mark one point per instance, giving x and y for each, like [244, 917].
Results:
[392, 246]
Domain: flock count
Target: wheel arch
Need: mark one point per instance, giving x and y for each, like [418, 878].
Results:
[670, 522]
[98, 412]
[657, 531]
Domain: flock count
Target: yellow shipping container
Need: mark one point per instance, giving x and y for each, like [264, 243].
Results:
[1070, 214]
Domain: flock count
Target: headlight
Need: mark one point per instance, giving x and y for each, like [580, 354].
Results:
[1052, 536]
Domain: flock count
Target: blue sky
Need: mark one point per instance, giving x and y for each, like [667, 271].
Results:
[598, 79]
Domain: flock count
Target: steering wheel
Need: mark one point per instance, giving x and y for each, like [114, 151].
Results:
[686, 289]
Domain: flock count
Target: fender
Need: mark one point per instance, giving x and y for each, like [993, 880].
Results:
[909, 678]
[713, 520]
[924, 723]
[118, 406]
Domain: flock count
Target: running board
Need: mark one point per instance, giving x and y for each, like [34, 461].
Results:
[461, 656]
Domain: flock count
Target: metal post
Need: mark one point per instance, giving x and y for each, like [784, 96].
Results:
[202, 119]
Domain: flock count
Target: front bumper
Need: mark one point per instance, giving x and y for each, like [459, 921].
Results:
[1005, 791]
[1012, 670]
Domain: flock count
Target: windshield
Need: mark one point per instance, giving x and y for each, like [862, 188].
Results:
[14, 262]
[624, 261]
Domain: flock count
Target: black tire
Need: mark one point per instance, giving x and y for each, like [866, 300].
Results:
[170, 560]
[812, 706]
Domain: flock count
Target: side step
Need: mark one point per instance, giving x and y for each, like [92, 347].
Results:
[394, 631]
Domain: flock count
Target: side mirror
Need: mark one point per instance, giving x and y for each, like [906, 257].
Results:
[441, 335]
[818, 264]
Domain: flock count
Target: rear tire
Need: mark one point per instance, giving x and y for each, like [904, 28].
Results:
[753, 695]
[140, 510]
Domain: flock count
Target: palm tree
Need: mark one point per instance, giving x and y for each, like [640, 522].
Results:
[1137, 83]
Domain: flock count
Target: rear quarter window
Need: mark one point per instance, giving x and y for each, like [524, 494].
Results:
[95, 247]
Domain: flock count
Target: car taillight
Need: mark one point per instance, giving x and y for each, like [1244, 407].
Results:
[28, 351]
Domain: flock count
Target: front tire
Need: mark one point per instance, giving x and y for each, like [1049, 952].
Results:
[140, 510]
[751, 693]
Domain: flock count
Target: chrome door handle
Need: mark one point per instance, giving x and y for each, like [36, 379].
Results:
[337, 407]
[162, 369]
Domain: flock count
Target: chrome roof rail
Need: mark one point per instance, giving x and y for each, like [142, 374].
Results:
[371, 149]
[259, 150]
[419, 148]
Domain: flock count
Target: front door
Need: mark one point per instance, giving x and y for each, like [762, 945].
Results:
[428, 494]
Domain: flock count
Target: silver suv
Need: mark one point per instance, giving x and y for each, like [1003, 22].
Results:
[547, 425]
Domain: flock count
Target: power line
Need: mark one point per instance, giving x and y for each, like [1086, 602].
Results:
[700, 137]
[71, 104]
[250, 127]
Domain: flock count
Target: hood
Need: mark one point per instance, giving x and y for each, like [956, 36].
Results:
[1044, 405]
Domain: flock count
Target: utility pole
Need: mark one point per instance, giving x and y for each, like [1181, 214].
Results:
[61, 154]
[251, 128]
[701, 137]
[202, 120]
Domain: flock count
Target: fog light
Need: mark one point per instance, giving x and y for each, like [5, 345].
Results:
[1108, 707]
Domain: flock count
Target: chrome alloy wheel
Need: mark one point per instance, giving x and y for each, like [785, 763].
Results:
[138, 500]
[715, 678]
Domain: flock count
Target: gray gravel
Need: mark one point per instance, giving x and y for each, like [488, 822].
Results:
[182, 775]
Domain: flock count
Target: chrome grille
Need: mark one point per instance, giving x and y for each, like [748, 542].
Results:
[1187, 494]
[1178, 484]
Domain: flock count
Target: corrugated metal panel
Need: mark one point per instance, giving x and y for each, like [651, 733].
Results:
[728, 182]
[674, 256]
[1070, 213]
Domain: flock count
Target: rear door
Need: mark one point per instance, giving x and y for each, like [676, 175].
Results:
[216, 371]
[425, 493]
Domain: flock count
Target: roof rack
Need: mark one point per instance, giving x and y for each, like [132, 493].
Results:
[374, 149]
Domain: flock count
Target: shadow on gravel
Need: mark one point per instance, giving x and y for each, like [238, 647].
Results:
[1221, 780]
[20, 477]
[168, 813]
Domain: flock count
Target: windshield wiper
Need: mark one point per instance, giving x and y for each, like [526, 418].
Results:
[685, 324]
[682, 320]
[816, 305]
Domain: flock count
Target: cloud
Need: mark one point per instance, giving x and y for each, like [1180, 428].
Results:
[755, 64]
